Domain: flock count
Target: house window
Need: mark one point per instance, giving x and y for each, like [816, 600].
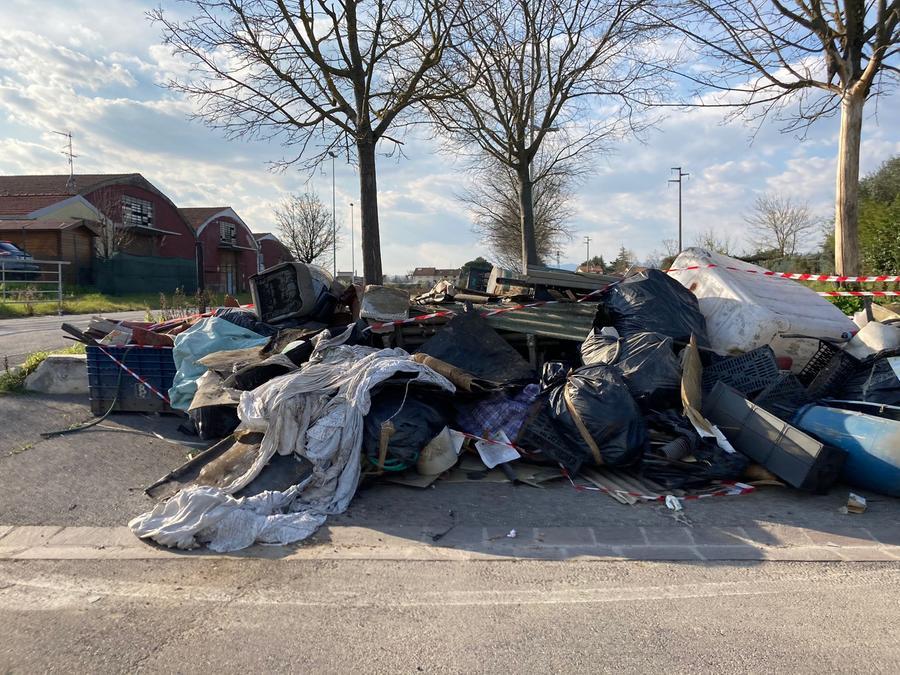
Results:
[227, 232]
[136, 212]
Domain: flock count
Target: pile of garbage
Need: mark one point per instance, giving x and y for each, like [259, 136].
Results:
[693, 382]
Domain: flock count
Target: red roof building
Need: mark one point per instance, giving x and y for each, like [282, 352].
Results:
[230, 251]
[271, 251]
[154, 225]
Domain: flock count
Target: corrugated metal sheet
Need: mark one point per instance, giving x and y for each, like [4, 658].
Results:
[563, 320]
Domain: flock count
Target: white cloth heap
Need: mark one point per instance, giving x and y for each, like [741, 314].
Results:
[315, 412]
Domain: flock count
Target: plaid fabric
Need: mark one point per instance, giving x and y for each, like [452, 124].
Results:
[498, 412]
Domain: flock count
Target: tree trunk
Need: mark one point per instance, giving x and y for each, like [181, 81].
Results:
[526, 212]
[368, 197]
[846, 212]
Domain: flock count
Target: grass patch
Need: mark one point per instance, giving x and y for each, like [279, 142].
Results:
[12, 380]
[89, 302]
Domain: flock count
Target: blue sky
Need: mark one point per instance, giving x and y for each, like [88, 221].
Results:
[96, 68]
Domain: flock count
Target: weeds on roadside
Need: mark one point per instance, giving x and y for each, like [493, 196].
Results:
[181, 305]
[12, 379]
[26, 296]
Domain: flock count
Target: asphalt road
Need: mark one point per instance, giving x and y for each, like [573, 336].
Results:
[476, 616]
[21, 337]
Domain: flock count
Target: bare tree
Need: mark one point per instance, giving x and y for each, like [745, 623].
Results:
[780, 224]
[561, 76]
[493, 200]
[306, 226]
[664, 258]
[321, 76]
[670, 248]
[114, 235]
[718, 242]
[799, 61]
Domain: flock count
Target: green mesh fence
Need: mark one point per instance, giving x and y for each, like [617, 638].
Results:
[124, 274]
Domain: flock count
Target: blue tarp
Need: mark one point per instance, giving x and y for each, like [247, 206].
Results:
[203, 338]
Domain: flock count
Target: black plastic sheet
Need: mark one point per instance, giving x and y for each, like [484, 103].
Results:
[468, 342]
[701, 460]
[876, 382]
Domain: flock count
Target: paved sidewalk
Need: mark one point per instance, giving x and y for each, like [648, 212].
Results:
[70, 497]
[758, 543]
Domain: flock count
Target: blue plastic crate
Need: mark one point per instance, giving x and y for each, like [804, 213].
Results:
[156, 366]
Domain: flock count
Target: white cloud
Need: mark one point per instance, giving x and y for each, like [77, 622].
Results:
[94, 68]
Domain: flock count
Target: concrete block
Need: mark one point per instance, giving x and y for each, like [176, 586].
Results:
[60, 374]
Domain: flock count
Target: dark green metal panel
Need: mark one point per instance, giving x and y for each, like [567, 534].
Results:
[123, 274]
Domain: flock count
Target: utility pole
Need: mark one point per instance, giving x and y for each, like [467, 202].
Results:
[352, 249]
[678, 180]
[333, 220]
[70, 184]
[587, 260]
[557, 259]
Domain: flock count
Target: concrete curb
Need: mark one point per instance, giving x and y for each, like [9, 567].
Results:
[60, 374]
[777, 543]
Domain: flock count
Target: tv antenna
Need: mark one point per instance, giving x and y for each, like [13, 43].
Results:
[67, 152]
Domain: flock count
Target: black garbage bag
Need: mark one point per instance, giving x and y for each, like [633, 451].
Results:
[252, 376]
[875, 382]
[588, 417]
[245, 318]
[418, 415]
[646, 361]
[652, 301]
[214, 421]
[554, 373]
[468, 342]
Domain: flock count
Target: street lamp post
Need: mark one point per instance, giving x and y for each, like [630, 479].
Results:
[352, 249]
[587, 244]
[678, 180]
[333, 220]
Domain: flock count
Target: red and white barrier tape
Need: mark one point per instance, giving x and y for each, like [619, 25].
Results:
[795, 275]
[859, 294]
[134, 375]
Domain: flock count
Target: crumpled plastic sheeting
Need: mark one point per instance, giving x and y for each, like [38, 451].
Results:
[204, 337]
[208, 514]
[316, 412]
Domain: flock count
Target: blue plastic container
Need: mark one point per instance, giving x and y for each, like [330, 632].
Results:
[872, 444]
[156, 366]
